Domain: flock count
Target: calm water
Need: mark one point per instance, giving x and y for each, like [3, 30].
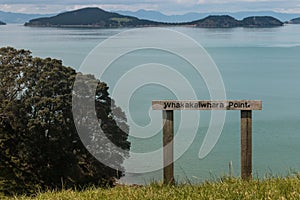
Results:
[254, 63]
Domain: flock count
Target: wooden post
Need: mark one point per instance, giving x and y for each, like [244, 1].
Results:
[245, 106]
[168, 135]
[246, 144]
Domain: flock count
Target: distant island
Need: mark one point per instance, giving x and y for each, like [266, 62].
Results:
[216, 21]
[90, 18]
[98, 18]
[156, 15]
[226, 21]
[2, 23]
[261, 22]
[294, 21]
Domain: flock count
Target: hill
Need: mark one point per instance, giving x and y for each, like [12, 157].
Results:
[193, 16]
[90, 17]
[261, 22]
[152, 15]
[2, 23]
[214, 21]
[160, 17]
[294, 21]
[226, 21]
[98, 18]
[19, 18]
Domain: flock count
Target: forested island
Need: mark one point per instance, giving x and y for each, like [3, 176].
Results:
[90, 18]
[261, 22]
[294, 21]
[98, 18]
[226, 21]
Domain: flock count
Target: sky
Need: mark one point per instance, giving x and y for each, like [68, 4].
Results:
[164, 6]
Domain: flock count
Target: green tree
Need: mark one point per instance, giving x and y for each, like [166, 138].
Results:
[39, 144]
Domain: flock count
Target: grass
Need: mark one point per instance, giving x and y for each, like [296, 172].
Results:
[226, 188]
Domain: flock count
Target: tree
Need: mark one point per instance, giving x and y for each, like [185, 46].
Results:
[39, 143]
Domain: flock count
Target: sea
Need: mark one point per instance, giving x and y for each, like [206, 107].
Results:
[254, 63]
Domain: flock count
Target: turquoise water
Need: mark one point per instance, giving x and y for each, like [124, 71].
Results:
[254, 63]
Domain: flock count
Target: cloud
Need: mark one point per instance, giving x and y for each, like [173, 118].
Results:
[236, 5]
[166, 6]
[57, 8]
[32, 8]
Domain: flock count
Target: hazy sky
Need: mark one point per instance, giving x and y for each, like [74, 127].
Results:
[165, 6]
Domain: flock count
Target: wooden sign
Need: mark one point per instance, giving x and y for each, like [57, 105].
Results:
[245, 106]
[207, 105]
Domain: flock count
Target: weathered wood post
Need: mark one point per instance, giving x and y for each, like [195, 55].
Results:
[245, 106]
[246, 144]
[168, 146]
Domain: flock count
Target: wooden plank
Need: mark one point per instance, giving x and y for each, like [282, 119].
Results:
[207, 105]
[168, 145]
[246, 144]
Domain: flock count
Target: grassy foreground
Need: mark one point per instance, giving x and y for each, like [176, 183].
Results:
[227, 188]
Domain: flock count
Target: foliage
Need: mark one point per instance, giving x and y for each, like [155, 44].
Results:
[39, 144]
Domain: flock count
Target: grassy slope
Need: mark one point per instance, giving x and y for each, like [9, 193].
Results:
[275, 188]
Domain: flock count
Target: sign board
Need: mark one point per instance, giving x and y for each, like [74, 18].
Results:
[207, 105]
[245, 106]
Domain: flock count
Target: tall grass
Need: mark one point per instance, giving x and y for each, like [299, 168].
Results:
[225, 188]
